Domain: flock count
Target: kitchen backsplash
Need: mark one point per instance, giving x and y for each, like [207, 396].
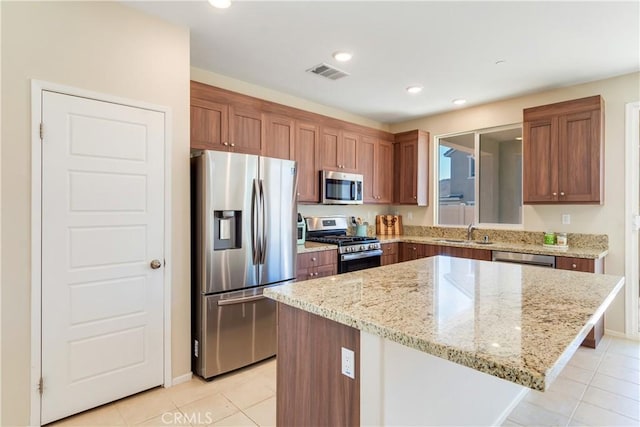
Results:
[576, 240]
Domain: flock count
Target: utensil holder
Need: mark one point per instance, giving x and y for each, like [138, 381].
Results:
[361, 230]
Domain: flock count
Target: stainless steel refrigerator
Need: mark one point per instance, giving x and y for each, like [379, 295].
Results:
[243, 239]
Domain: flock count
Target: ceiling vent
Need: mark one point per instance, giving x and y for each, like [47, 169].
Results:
[326, 70]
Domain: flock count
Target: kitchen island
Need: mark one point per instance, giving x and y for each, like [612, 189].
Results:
[437, 341]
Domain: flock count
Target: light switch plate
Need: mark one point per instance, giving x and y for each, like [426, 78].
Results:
[348, 363]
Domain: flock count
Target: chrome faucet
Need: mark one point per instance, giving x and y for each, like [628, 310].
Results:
[470, 229]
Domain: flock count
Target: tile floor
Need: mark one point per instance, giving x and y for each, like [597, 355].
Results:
[597, 388]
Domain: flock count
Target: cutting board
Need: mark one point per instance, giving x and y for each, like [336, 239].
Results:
[388, 225]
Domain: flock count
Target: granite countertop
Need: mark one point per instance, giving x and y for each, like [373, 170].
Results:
[515, 322]
[577, 252]
[315, 247]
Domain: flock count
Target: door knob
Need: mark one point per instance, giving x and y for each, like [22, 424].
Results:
[155, 264]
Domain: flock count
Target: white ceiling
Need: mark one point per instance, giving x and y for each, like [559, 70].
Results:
[450, 48]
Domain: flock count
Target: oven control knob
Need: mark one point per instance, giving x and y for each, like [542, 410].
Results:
[363, 247]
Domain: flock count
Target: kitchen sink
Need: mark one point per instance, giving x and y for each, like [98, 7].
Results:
[465, 242]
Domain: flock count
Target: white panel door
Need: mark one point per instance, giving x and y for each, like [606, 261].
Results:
[102, 225]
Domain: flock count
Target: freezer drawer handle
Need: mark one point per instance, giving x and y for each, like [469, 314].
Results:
[241, 300]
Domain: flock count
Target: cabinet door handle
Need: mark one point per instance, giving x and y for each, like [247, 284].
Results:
[554, 194]
[415, 197]
[574, 266]
[562, 193]
[225, 143]
[313, 259]
[233, 145]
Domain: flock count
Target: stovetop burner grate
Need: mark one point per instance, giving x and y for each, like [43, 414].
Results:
[342, 240]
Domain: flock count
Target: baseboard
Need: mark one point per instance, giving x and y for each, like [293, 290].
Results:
[617, 334]
[183, 378]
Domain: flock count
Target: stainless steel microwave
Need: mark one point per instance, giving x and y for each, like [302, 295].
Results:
[339, 188]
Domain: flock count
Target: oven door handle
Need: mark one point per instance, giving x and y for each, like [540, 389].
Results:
[360, 255]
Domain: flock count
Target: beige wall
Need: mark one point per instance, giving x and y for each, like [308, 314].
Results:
[102, 47]
[607, 219]
[218, 80]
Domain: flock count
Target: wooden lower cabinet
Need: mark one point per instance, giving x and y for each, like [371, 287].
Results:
[311, 389]
[390, 252]
[312, 265]
[471, 253]
[411, 251]
[588, 266]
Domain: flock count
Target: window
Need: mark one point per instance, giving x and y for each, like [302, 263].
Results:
[490, 194]
[472, 167]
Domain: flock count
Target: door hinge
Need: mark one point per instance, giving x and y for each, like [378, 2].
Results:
[40, 386]
[41, 132]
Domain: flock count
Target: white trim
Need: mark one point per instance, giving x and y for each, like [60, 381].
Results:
[632, 206]
[36, 247]
[618, 334]
[183, 378]
[37, 87]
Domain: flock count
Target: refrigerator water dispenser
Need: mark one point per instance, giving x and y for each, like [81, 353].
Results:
[227, 233]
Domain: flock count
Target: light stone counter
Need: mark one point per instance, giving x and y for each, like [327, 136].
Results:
[518, 323]
[577, 252]
[315, 247]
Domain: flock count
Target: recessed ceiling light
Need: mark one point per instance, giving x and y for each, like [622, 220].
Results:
[342, 56]
[459, 101]
[220, 4]
[414, 89]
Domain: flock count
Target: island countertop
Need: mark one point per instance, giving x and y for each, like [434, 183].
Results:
[518, 323]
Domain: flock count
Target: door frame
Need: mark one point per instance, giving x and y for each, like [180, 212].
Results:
[632, 208]
[37, 87]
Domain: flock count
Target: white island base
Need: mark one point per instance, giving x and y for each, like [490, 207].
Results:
[400, 386]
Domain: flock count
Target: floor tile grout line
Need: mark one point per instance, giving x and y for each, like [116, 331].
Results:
[617, 394]
[589, 384]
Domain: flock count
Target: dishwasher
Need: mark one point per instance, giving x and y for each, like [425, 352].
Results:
[528, 259]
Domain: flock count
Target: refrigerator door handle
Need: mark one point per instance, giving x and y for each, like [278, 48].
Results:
[255, 231]
[240, 300]
[263, 214]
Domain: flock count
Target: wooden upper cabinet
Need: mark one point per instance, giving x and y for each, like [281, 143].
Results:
[306, 154]
[339, 150]
[384, 172]
[411, 168]
[209, 125]
[375, 160]
[563, 152]
[279, 137]
[245, 130]
[348, 151]
[367, 153]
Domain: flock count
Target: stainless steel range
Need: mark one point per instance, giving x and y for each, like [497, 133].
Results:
[354, 252]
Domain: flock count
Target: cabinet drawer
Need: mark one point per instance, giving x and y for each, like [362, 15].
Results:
[580, 264]
[389, 248]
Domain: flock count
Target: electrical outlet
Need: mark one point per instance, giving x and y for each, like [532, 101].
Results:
[566, 219]
[348, 363]
[409, 215]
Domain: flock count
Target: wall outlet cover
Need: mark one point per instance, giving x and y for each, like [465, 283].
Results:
[348, 363]
[566, 219]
